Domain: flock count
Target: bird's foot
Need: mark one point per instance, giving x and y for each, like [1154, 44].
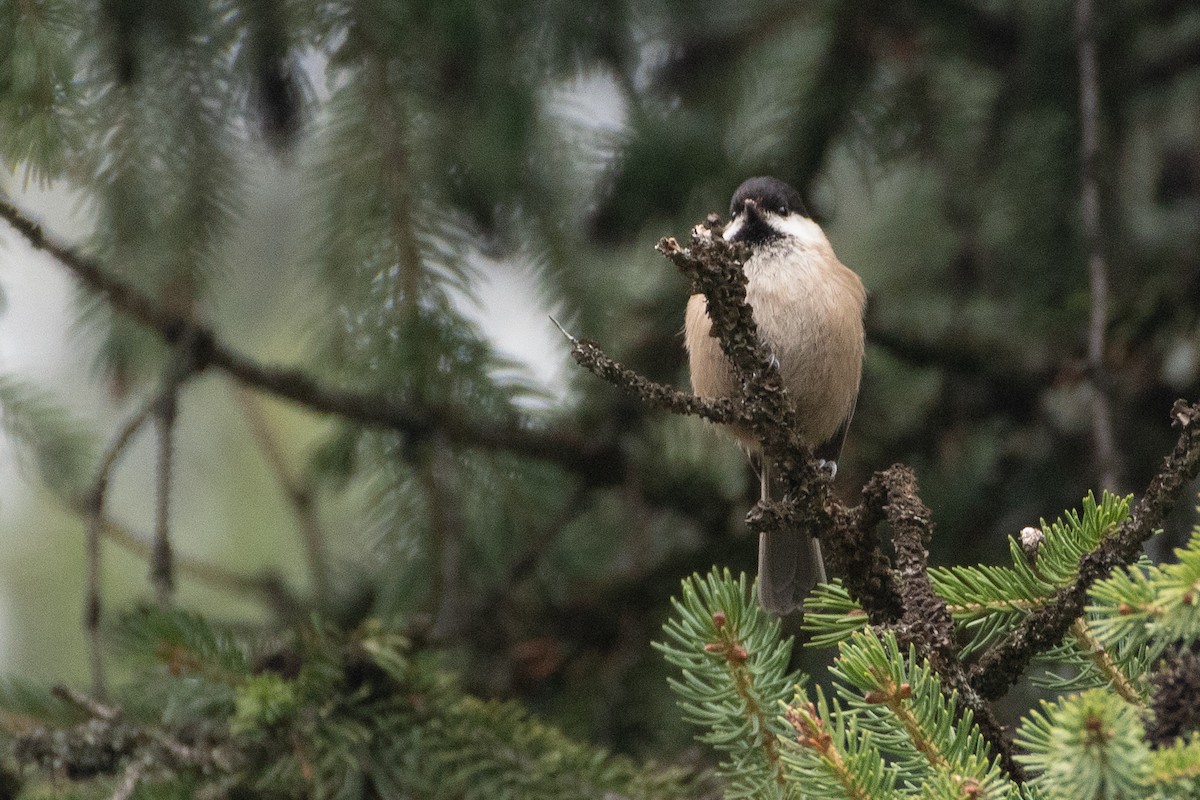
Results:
[829, 466]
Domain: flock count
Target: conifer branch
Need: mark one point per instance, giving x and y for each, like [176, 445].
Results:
[733, 665]
[927, 623]
[735, 655]
[593, 459]
[1001, 666]
[1103, 660]
[814, 736]
[107, 740]
[591, 357]
[1088, 745]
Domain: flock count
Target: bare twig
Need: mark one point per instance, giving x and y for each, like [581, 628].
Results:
[162, 573]
[93, 505]
[1103, 438]
[299, 495]
[91, 706]
[130, 779]
[181, 365]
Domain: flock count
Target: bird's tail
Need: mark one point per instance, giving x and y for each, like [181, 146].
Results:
[789, 563]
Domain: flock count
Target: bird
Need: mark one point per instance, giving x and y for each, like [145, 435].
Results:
[808, 308]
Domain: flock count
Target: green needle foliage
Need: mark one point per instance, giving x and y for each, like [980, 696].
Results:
[1149, 606]
[47, 440]
[322, 714]
[339, 198]
[890, 732]
[887, 729]
[897, 697]
[734, 677]
[1087, 746]
[988, 601]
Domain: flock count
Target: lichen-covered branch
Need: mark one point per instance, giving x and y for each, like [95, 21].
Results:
[1001, 666]
[655, 395]
[926, 621]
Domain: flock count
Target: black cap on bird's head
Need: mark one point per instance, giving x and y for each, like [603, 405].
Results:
[769, 194]
[759, 199]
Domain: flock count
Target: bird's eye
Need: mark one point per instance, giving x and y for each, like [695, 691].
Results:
[783, 211]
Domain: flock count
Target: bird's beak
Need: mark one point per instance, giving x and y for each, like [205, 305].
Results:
[749, 216]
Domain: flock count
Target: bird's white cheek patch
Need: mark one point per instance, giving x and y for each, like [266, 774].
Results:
[804, 229]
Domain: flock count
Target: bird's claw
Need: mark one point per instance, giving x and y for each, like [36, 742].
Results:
[829, 466]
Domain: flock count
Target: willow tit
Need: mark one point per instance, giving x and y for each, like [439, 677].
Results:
[809, 311]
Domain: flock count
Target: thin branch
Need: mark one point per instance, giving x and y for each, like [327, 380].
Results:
[181, 365]
[1103, 660]
[435, 470]
[93, 504]
[162, 573]
[594, 460]
[299, 495]
[268, 588]
[1103, 437]
[93, 707]
[655, 395]
[129, 780]
[1002, 665]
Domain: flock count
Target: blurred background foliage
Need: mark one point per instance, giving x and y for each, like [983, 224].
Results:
[395, 195]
